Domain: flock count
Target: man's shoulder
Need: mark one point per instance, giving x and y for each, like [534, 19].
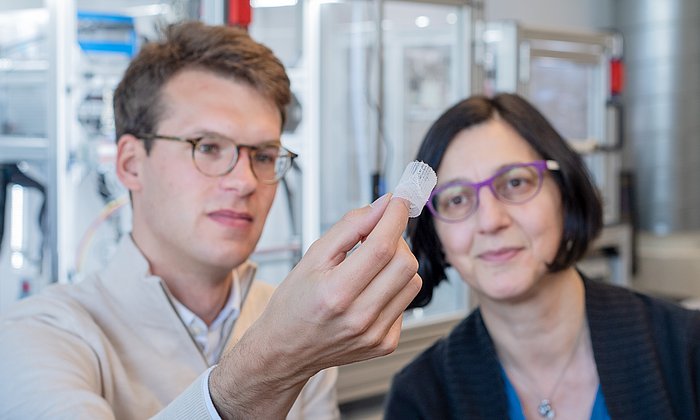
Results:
[59, 305]
[263, 286]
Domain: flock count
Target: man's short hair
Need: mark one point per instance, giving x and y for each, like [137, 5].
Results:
[224, 50]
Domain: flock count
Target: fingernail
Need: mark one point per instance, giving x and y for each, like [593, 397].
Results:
[407, 203]
[379, 200]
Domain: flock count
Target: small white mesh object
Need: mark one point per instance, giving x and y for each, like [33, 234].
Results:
[415, 185]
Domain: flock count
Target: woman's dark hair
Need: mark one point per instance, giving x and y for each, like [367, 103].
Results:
[580, 200]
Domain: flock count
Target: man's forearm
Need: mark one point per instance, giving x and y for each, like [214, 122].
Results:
[248, 383]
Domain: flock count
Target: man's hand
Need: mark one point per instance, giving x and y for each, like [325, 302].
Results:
[334, 308]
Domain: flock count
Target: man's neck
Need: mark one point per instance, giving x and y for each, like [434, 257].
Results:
[204, 299]
[203, 290]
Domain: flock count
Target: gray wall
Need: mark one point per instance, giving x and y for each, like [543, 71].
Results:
[569, 15]
[662, 102]
[662, 94]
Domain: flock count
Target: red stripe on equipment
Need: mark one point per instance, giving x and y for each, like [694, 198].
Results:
[617, 76]
[239, 13]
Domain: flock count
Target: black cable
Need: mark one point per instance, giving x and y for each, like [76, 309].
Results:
[11, 174]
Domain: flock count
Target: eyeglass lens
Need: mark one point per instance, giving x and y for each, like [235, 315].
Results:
[216, 155]
[514, 185]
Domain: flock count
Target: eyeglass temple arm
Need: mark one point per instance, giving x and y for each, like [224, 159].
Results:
[552, 165]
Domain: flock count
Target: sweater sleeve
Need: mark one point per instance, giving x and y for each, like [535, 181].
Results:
[318, 399]
[48, 373]
[192, 404]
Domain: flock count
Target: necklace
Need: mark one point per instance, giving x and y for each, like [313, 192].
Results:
[545, 408]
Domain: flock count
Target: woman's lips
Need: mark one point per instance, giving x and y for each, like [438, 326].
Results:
[231, 218]
[499, 255]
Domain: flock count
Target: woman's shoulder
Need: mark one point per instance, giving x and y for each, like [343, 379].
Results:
[451, 376]
[619, 298]
[661, 316]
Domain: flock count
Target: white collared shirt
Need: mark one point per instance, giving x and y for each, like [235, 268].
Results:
[212, 339]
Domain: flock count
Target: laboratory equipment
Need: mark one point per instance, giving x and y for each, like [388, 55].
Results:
[575, 80]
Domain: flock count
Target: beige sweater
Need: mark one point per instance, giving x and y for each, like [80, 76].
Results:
[113, 346]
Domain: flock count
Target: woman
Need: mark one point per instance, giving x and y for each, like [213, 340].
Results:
[513, 211]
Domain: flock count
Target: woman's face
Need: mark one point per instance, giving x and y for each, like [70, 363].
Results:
[501, 250]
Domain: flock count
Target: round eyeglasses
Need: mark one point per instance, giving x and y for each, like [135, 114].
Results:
[514, 184]
[216, 155]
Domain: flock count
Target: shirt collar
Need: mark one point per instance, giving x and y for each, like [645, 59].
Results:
[231, 309]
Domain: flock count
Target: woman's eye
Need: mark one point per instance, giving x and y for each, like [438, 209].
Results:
[516, 182]
[456, 200]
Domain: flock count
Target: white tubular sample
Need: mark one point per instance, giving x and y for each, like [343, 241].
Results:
[415, 185]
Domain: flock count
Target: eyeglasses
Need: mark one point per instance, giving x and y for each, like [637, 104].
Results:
[514, 184]
[216, 155]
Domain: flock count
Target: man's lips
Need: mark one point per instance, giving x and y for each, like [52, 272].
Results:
[231, 218]
[500, 254]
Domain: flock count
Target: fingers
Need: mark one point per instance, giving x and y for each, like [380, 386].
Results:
[388, 324]
[380, 225]
[345, 234]
[377, 250]
[389, 282]
[382, 335]
[384, 300]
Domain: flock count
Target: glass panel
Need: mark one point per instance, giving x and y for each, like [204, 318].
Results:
[108, 35]
[424, 74]
[562, 90]
[24, 74]
[424, 70]
[349, 68]
[568, 93]
[279, 26]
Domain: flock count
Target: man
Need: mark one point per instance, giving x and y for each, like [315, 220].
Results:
[198, 121]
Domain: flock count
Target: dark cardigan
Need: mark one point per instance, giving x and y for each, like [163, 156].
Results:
[647, 352]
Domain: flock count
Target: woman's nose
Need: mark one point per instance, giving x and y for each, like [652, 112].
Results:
[492, 214]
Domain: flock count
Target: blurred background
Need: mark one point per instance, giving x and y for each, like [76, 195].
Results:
[620, 79]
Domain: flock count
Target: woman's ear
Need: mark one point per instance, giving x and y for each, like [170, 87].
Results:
[130, 155]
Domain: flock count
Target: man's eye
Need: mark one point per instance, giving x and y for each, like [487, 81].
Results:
[265, 158]
[208, 148]
[267, 155]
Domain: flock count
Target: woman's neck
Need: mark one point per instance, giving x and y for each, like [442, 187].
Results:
[542, 330]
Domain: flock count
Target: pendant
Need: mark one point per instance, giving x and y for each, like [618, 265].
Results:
[545, 409]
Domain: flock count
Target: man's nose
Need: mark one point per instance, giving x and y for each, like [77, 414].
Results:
[241, 177]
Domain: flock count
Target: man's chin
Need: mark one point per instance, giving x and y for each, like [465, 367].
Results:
[230, 257]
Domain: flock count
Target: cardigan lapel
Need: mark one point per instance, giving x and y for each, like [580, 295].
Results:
[474, 382]
[627, 363]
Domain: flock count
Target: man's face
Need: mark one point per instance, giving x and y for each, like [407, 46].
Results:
[182, 216]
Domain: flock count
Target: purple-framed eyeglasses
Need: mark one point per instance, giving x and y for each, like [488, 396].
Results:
[514, 184]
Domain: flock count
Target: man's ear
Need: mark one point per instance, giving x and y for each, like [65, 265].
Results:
[130, 155]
